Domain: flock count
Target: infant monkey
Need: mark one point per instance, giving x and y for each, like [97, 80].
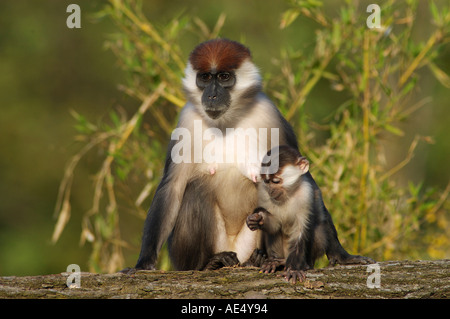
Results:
[296, 227]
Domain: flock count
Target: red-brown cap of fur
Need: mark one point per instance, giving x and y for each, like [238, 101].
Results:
[218, 54]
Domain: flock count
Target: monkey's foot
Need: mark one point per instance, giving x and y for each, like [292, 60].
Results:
[223, 259]
[128, 271]
[294, 275]
[352, 260]
[271, 265]
[256, 259]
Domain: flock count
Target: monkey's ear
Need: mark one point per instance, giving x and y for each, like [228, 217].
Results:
[303, 164]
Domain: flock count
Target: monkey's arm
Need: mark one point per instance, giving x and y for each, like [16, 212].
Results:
[159, 223]
[162, 214]
[264, 220]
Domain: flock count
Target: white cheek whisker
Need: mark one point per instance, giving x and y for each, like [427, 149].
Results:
[290, 175]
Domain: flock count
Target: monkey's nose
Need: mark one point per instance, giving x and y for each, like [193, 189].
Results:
[212, 97]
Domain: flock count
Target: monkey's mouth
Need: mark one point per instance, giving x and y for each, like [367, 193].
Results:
[214, 113]
[278, 198]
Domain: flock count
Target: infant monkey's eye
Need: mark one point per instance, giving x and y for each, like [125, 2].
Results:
[276, 180]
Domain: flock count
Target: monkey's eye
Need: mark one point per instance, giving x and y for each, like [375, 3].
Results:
[266, 181]
[205, 77]
[224, 76]
[276, 180]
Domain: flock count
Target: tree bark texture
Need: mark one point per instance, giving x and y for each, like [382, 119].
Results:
[398, 279]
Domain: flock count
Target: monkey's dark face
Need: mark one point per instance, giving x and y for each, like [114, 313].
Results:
[291, 167]
[221, 78]
[274, 186]
[216, 88]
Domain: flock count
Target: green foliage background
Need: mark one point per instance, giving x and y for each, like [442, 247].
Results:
[87, 114]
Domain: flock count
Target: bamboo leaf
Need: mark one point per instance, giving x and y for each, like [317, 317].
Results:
[394, 130]
[63, 219]
[440, 75]
[288, 17]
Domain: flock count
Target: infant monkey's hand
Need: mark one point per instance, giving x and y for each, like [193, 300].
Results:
[256, 220]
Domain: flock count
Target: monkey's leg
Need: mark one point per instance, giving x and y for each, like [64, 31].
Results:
[300, 258]
[335, 252]
[191, 244]
[296, 264]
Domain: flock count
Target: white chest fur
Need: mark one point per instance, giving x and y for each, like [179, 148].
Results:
[294, 213]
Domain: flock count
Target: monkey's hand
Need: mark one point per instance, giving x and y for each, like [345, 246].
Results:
[294, 275]
[271, 265]
[257, 258]
[222, 259]
[255, 221]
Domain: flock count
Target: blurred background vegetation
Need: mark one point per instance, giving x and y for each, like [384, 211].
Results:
[86, 116]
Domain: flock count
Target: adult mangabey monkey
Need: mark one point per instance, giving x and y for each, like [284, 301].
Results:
[296, 227]
[201, 207]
